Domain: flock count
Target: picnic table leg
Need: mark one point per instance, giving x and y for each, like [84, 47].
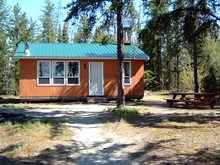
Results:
[171, 104]
[174, 96]
[212, 104]
[195, 105]
[187, 104]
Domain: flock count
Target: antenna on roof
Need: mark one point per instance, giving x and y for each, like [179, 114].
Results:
[27, 51]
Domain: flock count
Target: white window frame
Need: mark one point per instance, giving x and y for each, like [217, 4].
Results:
[72, 76]
[52, 77]
[129, 73]
[38, 77]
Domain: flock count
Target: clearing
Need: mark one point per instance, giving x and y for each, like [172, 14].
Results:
[76, 133]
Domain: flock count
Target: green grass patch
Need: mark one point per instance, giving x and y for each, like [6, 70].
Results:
[166, 120]
[212, 114]
[6, 123]
[15, 106]
[124, 113]
[9, 105]
[31, 124]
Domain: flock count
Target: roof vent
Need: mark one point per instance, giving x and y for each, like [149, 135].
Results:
[27, 51]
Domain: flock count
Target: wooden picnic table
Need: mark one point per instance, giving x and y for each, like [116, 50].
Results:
[181, 94]
[194, 99]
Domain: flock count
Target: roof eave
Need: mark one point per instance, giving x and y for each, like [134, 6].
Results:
[79, 58]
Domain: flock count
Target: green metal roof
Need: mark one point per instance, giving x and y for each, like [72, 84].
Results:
[77, 51]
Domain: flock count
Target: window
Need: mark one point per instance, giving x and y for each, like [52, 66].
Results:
[73, 73]
[58, 73]
[127, 67]
[44, 73]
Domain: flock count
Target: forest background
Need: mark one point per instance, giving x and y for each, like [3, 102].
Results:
[181, 38]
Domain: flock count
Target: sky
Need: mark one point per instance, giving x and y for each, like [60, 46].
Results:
[33, 7]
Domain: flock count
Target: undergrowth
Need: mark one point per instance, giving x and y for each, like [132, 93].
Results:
[124, 113]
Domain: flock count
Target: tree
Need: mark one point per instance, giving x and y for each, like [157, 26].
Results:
[108, 10]
[48, 30]
[59, 35]
[98, 35]
[173, 33]
[153, 38]
[103, 37]
[65, 34]
[199, 18]
[83, 32]
[211, 65]
[58, 15]
[19, 29]
[3, 50]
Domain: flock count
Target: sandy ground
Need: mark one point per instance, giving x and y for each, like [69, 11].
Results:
[100, 140]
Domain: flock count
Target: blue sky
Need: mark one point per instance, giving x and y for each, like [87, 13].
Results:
[33, 7]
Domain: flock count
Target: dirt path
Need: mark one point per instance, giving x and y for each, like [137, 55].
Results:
[93, 141]
[161, 135]
[95, 144]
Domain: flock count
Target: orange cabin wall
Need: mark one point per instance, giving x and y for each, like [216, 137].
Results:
[29, 88]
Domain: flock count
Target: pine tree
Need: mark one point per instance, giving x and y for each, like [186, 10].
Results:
[153, 38]
[172, 33]
[19, 29]
[48, 30]
[83, 32]
[3, 50]
[59, 35]
[98, 35]
[65, 34]
[211, 65]
[200, 17]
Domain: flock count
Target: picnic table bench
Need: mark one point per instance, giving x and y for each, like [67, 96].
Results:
[194, 100]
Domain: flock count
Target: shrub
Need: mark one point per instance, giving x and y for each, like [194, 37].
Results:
[150, 82]
[211, 83]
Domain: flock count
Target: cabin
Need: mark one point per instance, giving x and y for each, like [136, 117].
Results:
[76, 71]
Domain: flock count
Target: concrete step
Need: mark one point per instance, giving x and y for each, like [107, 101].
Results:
[97, 100]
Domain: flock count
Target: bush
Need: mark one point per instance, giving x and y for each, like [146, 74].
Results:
[211, 82]
[150, 82]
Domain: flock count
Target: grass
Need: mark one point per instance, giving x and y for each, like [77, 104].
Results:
[166, 120]
[212, 114]
[6, 123]
[16, 106]
[124, 113]
[32, 137]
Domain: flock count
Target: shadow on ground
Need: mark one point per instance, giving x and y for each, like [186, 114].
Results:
[62, 154]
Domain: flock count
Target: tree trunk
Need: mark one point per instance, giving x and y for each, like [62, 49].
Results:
[159, 65]
[195, 65]
[121, 96]
[177, 72]
[194, 39]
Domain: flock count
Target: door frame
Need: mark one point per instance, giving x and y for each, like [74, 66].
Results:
[102, 78]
